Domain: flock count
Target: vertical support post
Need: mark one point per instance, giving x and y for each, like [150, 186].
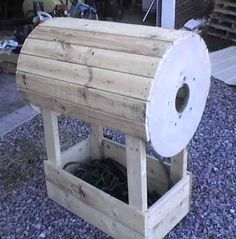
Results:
[178, 167]
[136, 172]
[158, 12]
[96, 137]
[168, 14]
[52, 136]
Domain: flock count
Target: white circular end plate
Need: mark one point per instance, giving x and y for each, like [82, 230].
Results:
[178, 95]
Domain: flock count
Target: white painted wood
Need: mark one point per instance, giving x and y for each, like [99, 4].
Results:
[96, 137]
[168, 14]
[52, 136]
[136, 172]
[165, 123]
[178, 166]
[224, 65]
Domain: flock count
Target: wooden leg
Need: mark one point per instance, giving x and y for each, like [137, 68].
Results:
[96, 137]
[52, 136]
[137, 173]
[178, 167]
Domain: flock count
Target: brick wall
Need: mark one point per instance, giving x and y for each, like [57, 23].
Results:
[188, 9]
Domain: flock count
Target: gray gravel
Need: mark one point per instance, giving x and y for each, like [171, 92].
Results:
[26, 212]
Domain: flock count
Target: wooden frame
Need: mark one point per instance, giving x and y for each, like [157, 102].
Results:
[116, 218]
[8, 62]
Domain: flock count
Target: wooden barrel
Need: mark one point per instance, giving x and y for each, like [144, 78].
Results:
[145, 81]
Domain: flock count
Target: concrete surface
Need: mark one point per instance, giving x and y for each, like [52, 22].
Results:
[13, 110]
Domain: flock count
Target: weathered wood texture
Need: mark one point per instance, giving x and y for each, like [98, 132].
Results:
[136, 172]
[118, 219]
[178, 167]
[95, 67]
[94, 197]
[223, 20]
[114, 217]
[52, 136]
[157, 172]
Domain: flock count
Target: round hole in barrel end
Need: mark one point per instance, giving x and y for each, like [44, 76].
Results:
[182, 98]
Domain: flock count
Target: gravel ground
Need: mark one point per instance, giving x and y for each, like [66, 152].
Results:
[26, 212]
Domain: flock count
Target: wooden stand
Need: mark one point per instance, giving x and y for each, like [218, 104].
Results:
[222, 23]
[116, 218]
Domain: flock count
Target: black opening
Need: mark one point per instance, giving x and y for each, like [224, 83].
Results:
[182, 98]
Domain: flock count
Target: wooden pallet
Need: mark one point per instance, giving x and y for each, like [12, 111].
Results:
[226, 5]
[116, 218]
[223, 20]
[221, 33]
[223, 25]
[8, 62]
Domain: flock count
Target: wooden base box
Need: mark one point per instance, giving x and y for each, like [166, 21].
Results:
[116, 218]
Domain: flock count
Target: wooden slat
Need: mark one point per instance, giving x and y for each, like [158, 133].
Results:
[94, 198]
[136, 172]
[217, 34]
[178, 166]
[91, 215]
[220, 27]
[225, 3]
[148, 47]
[225, 11]
[171, 220]
[96, 137]
[94, 57]
[95, 117]
[222, 17]
[88, 77]
[232, 36]
[106, 102]
[52, 136]
[170, 209]
[140, 31]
